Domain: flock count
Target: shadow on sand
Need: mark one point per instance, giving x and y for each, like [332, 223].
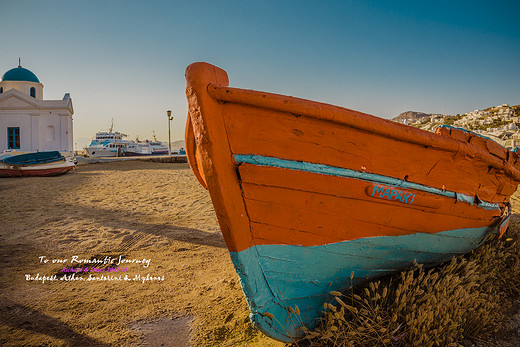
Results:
[20, 317]
[116, 219]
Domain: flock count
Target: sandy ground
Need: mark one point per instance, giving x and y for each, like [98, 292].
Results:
[180, 287]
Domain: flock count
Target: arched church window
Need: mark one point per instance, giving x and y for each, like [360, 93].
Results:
[33, 92]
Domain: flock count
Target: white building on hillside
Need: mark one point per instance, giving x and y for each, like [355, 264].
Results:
[28, 123]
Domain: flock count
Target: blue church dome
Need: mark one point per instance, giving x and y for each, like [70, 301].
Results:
[20, 74]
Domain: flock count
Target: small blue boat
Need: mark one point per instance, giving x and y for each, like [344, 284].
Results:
[50, 163]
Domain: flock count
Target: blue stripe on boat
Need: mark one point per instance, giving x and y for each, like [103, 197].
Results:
[274, 277]
[342, 172]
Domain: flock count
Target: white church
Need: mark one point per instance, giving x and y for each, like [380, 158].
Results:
[28, 123]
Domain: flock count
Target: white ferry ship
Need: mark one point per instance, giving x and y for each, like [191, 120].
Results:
[113, 144]
[107, 144]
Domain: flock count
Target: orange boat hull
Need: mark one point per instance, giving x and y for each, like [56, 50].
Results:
[307, 194]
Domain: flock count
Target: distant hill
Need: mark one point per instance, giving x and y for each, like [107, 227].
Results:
[411, 115]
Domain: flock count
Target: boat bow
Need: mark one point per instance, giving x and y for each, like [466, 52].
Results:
[313, 198]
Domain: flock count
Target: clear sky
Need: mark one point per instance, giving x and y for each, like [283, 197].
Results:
[125, 59]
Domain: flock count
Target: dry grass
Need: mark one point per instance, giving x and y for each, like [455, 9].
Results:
[465, 299]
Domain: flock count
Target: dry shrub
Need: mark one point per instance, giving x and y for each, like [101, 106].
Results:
[465, 298]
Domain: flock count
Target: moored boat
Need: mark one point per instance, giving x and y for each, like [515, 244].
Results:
[113, 144]
[313, 198]
[137, 149]
[158, 148]
[20, 164]
[107, 144]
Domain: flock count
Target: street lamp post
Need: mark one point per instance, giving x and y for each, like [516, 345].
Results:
[169, 114]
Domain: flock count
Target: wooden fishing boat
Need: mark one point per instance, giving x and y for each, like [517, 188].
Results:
[313, 198]
[51, 163]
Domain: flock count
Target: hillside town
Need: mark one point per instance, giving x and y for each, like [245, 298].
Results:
[500, 123]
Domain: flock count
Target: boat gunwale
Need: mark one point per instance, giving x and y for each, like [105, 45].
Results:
[360, 121]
